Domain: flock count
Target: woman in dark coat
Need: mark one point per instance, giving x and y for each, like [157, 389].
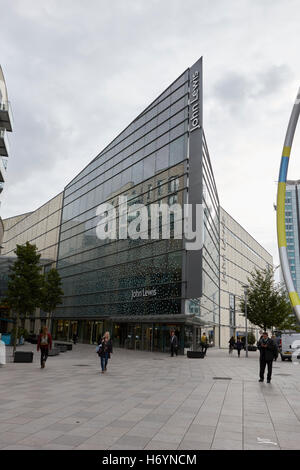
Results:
[239, 346]
[105, 350]
[231, 344]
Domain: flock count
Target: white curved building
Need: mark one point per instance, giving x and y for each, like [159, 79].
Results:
[5, 126]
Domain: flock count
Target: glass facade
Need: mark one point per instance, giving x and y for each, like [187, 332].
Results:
[138, 287]
[292, 224]
[146, 163]
[240, 255]
[40, 227]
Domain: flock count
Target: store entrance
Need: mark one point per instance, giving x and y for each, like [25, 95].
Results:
[98, 331]
[147, 337]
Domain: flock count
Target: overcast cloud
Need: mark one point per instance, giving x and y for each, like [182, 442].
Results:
[79, 71]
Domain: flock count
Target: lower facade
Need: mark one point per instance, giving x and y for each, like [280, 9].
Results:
[136, 335]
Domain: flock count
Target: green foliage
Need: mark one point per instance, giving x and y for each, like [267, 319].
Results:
[267, 304]
[25, 281]
[21, 332]
[251, 338]
[28, 289]
[51, 292]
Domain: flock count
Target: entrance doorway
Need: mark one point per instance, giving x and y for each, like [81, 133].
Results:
[98, 331]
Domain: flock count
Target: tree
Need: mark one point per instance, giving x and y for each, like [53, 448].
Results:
[51, 293]
[290, 322]
[24, 283]
[251, 338]
[267, 303]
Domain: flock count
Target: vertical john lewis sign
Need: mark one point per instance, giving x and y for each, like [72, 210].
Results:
[194, 102]
[194, 260]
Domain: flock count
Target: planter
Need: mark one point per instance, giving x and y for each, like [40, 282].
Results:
[23, 356]
[69, 346]
[54, 352]
[62, 347]
[252, 348]
[195, 354]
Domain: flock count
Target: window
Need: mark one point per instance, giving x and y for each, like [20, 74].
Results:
[162, 158]
[232, 309]
[150, 187]
[159, 187]
[173, 184]
[137, 172]
[149, 166]
[177, 150]
[173, 199]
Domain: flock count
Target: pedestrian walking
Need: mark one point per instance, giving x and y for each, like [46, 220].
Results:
[75, 338]
[44, 344]
[204, 343]
[274, 339]
[174, 343]
[105, 349]
[239, 346]
[231, 344]
[267, 349]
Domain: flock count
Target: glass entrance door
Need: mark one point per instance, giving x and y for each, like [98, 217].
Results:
[147, 337]
[98, 331]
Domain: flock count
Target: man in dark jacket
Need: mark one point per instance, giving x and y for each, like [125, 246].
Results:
[174, 343]
[267, 349]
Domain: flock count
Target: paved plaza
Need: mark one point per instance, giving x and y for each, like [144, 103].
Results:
[148, 401]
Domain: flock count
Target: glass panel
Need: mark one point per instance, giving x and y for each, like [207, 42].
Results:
[162, 158]
[177, 150]
[149, 166]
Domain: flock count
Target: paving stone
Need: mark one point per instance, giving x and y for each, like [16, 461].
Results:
[53, 446]
[11, 437]
[222, 444]
[69, 440]
[194, 445]
[138, 441]
[164, 404]
[160, 445]
[228, 436]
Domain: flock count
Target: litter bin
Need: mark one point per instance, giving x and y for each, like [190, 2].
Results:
[6, 338]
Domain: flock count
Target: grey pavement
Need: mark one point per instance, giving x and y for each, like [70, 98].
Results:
[148, 401]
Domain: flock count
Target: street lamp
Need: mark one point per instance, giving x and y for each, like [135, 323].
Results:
[246, 323]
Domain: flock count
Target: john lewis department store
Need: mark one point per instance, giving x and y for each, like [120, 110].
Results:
[138, 289]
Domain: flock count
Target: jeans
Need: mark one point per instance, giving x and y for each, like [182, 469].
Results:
[44, 354]
[263, 364]
[104, 361]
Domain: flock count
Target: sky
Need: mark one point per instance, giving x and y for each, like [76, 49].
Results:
[78, 72]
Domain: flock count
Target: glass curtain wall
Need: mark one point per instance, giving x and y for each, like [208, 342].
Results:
[207, 308]
[103, 278]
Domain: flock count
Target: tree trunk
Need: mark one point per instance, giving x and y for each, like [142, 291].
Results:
[49, 321]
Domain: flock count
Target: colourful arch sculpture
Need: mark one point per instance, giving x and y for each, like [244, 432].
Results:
[281, 232]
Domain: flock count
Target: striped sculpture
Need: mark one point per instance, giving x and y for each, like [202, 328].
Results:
[281, 233]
